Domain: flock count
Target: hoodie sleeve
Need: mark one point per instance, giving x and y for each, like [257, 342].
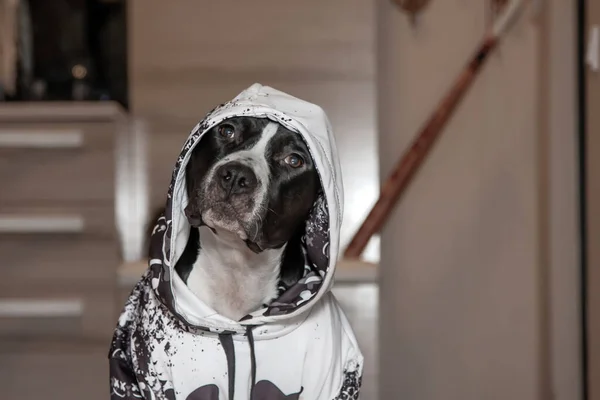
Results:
[352, 377]
[123, 383]
[123, 380]
[335, 359]
[352, 360]
[351, 387]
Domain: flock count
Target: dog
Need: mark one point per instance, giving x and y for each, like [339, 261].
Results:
[236, 301]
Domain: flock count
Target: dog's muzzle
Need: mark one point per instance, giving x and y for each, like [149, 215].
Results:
[229, 200]
[235, 179]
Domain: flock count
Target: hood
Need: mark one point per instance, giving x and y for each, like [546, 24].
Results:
[322, 233]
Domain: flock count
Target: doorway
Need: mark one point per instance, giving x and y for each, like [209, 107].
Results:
[589, 125]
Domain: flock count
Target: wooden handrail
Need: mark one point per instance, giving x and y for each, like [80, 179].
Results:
[404, 171]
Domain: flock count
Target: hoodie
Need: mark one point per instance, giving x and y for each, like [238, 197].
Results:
[168, 344]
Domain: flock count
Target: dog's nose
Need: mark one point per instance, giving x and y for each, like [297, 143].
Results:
[237, 178]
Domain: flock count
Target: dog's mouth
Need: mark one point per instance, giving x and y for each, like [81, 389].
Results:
[223, 217]
[225, 224]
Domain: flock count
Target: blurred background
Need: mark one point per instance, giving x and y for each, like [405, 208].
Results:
[482, 283]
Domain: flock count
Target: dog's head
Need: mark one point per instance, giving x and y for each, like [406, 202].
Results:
[254, 178]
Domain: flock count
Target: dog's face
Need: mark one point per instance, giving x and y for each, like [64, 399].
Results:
[254, 178]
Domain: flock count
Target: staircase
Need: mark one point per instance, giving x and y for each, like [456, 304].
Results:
[64, 173]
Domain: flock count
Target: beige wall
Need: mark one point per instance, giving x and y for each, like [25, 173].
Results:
[478, 281]
[560, 186]
[187, 56]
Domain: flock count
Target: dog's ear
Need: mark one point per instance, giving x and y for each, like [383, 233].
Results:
[191, 174]
[292, 263]
[188, 257]
[193, 179]
[159, 212]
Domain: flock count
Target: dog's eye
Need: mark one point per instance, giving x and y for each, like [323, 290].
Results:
[227, 131]
[294, 161]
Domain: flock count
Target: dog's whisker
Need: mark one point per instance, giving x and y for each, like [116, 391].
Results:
[259, 223]
[255, 232]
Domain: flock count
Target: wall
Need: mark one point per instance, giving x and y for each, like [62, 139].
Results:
[190, 55]
[561, 250]
[478, 282]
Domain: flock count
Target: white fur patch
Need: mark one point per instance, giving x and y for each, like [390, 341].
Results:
[230, 278]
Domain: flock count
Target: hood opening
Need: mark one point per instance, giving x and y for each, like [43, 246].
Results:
[320, 239]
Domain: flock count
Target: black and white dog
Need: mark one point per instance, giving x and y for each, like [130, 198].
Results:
[236, 302]
[250, 185]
